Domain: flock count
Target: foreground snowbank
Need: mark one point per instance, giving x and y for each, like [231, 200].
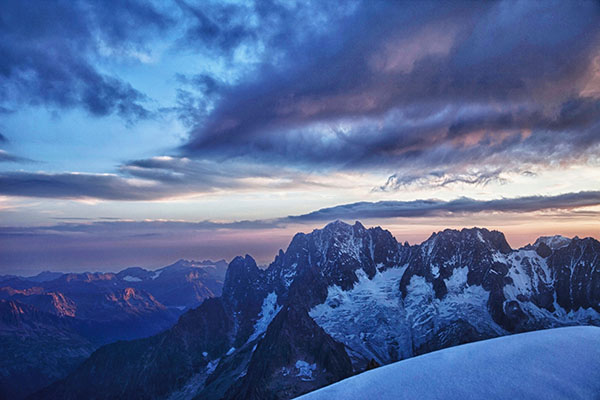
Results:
[561, 363]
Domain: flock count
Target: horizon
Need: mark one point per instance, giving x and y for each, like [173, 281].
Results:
[265, 262]
[153, 131]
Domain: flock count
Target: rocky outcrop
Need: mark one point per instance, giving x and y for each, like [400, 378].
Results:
[294, 356]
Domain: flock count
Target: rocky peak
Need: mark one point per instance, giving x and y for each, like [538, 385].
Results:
[553, 242]
[14, 314]
[45, 276]
[576, 270]
[277, 333]
[179, 264]
[242, 274]
[243, 293]
[474, 248]
[12, 308]
[59, 304]
[337, 251]
[467, 237]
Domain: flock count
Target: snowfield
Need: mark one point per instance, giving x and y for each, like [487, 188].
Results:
[562, 363]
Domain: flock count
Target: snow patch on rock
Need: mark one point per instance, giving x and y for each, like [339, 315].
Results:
[267, 313]
[157, 274]
[305, 370]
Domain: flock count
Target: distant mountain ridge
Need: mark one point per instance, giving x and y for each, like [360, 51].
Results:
[342, 298]
[93, 309]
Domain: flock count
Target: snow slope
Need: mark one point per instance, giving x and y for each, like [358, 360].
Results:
[562, 363]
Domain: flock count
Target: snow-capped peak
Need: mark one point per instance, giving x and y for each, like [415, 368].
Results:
[554, 242]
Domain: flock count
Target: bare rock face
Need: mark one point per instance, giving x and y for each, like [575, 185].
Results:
[294, 356]
[36, 348]
[343, 299]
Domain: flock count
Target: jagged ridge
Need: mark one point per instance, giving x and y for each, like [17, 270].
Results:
[362, 297]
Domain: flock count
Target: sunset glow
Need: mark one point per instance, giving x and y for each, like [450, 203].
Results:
[127, 139]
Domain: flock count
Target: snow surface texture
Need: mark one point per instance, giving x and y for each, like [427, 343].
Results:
[405, 324]
[562, 363]
[349, 316]
[402, 324]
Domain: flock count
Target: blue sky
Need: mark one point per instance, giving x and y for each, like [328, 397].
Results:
[215, 112]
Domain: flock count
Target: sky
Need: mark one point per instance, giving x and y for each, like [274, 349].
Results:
[139, 132]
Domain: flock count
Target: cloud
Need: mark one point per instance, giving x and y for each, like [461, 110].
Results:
[426, 208]
[114, 227]
[149, 179]
[259, 26]
[8, 157]
[442, 178]
[105, 242]
[76, 185]
[3, 139]
[126, 228]
[395, 97]
[453, 88]
[353, 211]
[49, 52]
[197, 98]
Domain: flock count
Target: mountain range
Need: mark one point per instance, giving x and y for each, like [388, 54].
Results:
[341, 300]
[51, 322]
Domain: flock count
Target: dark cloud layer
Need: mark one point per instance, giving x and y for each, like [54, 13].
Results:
[353, 211]
[73, 186]
[428, 93]
[426, 208]
[142, 180]
[443, 86]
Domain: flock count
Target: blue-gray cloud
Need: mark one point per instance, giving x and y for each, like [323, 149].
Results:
[141, 180]
[427, 208]
[49, 49]
[354, 211]
[76, 186]
[8, 157]
[505, 88]
[434, 93]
